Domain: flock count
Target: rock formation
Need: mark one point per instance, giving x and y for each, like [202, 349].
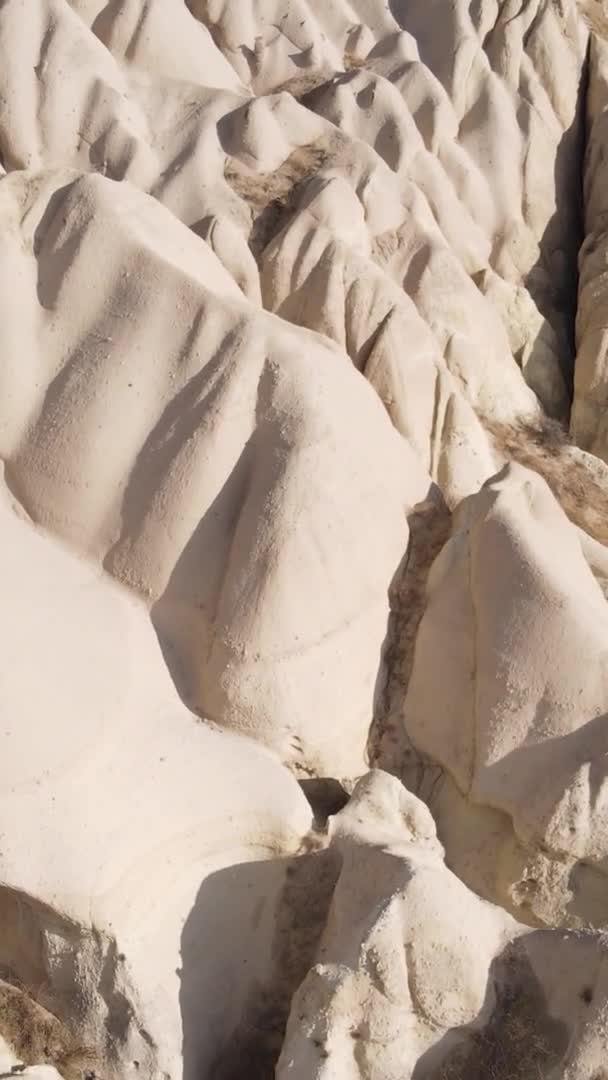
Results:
[418, 977]
[304, 473]
[521, 625]
[122, 883]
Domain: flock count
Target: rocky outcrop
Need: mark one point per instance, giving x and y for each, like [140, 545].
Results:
[517, 719]
[238, 474]
[416, 976]
[136, 842]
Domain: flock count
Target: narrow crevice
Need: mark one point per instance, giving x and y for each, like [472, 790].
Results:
[556, 299]
[310, 881]
[326, 796]
[388, 745]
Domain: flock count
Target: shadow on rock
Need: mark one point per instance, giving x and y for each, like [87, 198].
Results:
[246, 945]
[520, 1039]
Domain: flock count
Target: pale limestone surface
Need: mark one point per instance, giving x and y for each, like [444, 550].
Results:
[122, 819]
[517, 719]
[418, 977]
[234, 471]
[287, 290]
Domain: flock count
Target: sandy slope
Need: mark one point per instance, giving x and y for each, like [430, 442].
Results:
[285, 287]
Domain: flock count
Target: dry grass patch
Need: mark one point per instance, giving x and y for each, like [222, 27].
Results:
[301, 85]
[521, 1041]
[388, 745]
[576, 484]
[352, 62]
[595, 14]
[39, 1038]
[272, 197]
[515, 1051]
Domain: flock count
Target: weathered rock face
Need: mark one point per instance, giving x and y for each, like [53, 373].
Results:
[416, 976]
[588, 409]
[123, 880]
[236, 473]
[290, 308]
[517, 718]
[445, 207]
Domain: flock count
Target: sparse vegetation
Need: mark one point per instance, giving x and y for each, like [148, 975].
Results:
[352, 62]
[547, 449]
[385, 245]
[514, 1051]
[272, 196]
[301, 85]
[596, 16]
[520, 1041]
[37, 1037]
[388, 745]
